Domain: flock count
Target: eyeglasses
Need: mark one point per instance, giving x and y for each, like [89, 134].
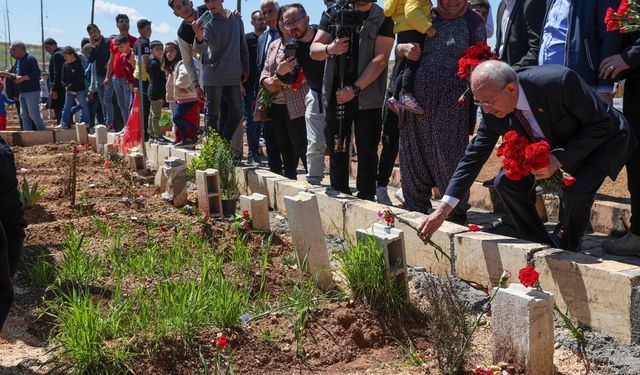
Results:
[290, 24]
[489, 104]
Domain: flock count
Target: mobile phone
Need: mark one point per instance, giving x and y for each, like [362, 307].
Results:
[205, 18]
[290, 50]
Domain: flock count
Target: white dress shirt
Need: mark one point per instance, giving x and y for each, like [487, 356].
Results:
[509, 4]
[525, 108]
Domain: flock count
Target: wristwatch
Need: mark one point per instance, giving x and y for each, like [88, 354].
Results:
[356, 89]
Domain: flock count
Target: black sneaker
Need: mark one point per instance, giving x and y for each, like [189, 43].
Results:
[161, 141]
[186, 143]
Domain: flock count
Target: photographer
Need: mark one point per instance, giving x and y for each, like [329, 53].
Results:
[355, 97]
[296, 21]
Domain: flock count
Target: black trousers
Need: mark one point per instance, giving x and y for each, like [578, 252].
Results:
[390, 147]
[11, 239]
[576, 200]
[367, 126]
[405, 69]
[631, 111]
[292, 139]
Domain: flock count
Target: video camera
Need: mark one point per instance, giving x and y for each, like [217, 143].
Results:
[344, 18]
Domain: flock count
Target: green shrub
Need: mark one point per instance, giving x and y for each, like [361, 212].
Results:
[30, 195]
[41, 272]
[77, 266]
[208, 155]
[363, 267]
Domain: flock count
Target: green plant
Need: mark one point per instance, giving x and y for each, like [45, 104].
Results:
[79, 336]
[165, 119]
[411, 353]
[363, 268]
[240, 254]
[77, 266]
[30, 195]
[209, 155]
[41, 271]
[227, 170]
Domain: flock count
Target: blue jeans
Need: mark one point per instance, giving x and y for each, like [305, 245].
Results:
[106, 100]
[30, 110]
[93, 109]
[123, 95]
[183, 124]
[69, 102]
[253, 127]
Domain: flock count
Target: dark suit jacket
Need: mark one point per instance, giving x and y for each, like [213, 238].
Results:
[523, 32]
[578, 125]
[261, 55]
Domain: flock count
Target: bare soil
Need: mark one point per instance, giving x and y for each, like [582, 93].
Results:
[341, 337]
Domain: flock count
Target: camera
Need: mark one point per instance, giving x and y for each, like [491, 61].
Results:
[343, 18]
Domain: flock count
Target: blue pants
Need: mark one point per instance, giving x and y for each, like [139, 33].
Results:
[69, 102]
[253, 127]
[30, 110]
[105, 93]
[123, 95]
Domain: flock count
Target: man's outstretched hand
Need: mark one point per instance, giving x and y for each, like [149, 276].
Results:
[431, 223]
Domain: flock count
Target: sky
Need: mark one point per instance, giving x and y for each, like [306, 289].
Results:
[66, 20]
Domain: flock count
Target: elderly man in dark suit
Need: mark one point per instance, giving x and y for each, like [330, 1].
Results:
[519, 27]
[589, 139]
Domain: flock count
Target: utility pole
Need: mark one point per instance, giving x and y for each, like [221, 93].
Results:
[6, 4]
[93, 8]
[240, 6]
[42, 33]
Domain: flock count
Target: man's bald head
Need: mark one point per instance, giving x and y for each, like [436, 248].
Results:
[495, 84]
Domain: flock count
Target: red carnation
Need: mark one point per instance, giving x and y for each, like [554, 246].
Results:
[206, 217]
[609, 15]
[568, 180]
[461, 100]
[474, 228]
[107, 164]
[86, 146]
[528, 276]
[222, 342]
[623, 8]
[537, 155]
[163, 229]
[76, 150]
[245, 214]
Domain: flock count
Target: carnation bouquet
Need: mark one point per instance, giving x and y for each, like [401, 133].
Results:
[522, 157]
[626, 18]
[473, 56]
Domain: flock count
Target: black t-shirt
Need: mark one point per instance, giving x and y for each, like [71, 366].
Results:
[100, 55]
[313, 69]
[185, 31]
[143, 44]
[351, 73]
[252, 44]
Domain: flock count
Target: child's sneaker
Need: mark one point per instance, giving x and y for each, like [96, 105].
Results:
[392, 104]
[409, 103]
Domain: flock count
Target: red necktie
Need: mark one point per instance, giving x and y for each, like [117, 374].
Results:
[525, 124]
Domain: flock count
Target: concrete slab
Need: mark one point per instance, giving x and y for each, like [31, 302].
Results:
[421, 255]
[65, 135]
[522, 329]
[599, 293]
[482, 257]
[332, 206]
[286, 187]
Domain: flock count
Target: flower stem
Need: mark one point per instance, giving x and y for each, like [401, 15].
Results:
[438, 249]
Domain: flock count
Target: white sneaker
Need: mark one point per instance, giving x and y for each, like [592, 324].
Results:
[61, 127]
[382, 196]
[399, 195]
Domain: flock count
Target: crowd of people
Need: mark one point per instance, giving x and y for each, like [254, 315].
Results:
[311, 90]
